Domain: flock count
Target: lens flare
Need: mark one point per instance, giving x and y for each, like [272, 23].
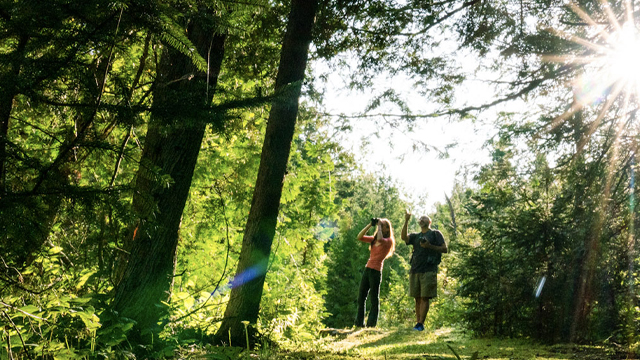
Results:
[244, 277]
[610, 68]
[622, 59]
[608, 77]
[250, 273]
[540, 286]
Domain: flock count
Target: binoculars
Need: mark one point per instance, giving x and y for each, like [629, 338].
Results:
[374, 221]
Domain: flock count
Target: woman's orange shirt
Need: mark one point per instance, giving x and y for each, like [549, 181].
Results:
[379, 251]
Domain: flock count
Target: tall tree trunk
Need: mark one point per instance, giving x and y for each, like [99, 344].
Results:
[259, 231]
[171, 148]
[8, 91]
[584, 296]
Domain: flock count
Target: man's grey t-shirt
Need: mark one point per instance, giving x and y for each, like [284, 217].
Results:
[425, 260]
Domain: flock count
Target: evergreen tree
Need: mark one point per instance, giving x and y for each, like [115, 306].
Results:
[182, 93]
[260, 228]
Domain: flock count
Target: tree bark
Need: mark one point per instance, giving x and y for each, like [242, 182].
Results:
[8, 92]
[171, 150]
[259, 231]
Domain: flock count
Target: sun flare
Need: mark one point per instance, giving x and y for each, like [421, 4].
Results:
[608, 66]
[623, 58]
[610, 56]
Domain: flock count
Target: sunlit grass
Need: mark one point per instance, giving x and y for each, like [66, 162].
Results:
[406, 344]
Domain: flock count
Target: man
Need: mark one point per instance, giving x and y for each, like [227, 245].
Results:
[428, 247]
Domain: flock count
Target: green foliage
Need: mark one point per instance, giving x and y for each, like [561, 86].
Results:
[53, 314]
[292, 305]
[60, 146]
[176, 37]
[550, 241]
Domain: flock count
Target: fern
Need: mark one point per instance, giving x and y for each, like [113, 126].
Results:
[175, 37]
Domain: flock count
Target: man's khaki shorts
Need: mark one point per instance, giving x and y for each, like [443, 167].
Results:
[423, 285]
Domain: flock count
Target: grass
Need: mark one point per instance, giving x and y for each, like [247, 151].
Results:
[441, 344]
[406, 344]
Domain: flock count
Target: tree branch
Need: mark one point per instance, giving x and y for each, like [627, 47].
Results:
[429, 27]
[82, 131]
[531, 85]
[13, 325]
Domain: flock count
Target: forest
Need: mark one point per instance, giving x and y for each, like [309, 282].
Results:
[171, 183]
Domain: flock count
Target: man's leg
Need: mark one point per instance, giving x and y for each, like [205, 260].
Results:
[424, 309]
[430, 291]
[415, 290]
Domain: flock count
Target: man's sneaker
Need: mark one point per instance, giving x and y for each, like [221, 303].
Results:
[418, 327]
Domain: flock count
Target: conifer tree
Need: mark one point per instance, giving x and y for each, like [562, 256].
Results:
[246, 293]
[183, 93]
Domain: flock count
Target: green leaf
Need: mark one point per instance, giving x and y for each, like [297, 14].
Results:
[28, 310]
[189, 302]
[84, 276]
[90, 320]
[55, 250]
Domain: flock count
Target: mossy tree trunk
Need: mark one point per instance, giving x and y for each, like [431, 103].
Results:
[182, 95]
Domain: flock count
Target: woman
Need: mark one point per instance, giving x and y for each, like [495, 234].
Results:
[382, 247]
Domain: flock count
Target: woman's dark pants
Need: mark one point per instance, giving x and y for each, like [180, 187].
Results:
[370, 284]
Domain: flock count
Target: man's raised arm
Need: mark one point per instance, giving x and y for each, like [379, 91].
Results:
[403, 234]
